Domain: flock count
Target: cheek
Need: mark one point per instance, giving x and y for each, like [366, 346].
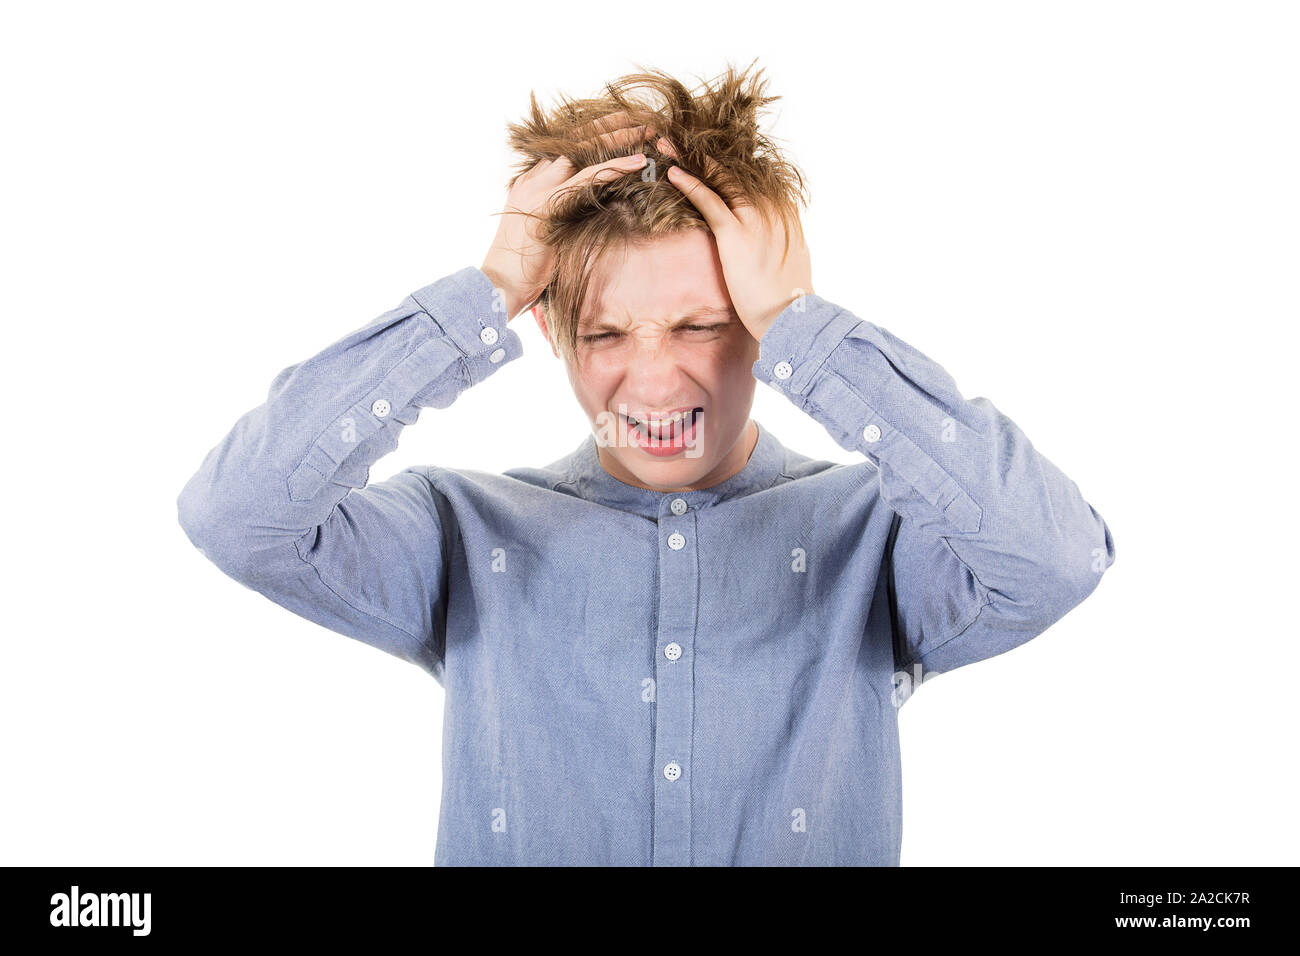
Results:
[593, 384]
[735, 365]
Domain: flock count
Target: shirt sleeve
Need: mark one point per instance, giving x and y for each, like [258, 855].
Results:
[991, 543]
[282, 503]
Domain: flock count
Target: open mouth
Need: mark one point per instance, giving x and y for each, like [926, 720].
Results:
[666, 434]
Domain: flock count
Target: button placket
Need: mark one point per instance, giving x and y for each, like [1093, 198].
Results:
[674, 681]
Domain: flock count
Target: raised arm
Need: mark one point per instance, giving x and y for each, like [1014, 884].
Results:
[992, 543]
[282, 504]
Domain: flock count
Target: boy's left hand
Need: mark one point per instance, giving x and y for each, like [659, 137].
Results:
[761, 283]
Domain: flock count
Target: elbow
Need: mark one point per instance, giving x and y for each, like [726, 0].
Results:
[1078, 567]
[209, 529]
[196, 511]
[242, 544]
[193, 514]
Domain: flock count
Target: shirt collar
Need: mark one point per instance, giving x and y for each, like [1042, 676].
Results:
[591, 481]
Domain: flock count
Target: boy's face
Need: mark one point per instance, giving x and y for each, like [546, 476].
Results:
[655, 358]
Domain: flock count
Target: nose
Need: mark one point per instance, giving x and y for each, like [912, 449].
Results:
[653, 370]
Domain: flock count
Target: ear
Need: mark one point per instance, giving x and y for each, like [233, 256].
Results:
[539, 315]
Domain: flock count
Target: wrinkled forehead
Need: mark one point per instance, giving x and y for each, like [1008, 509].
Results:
[662, 282]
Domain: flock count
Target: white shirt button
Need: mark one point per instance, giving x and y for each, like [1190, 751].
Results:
[678, 505]
[673, 770]
[673, 651]
[676, 541]
[488, 335]
[783, 370]
[871, 433]
[497, 355]
[381, 408]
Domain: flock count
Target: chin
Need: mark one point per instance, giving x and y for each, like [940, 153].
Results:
[671, 471]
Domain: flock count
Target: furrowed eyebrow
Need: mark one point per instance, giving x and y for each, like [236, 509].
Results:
[704, 312]
[599, 327]
[710, 312]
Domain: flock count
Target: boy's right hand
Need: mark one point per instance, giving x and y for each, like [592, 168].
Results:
[517, 263]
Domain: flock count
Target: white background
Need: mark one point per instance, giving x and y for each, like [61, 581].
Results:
[1087, 212]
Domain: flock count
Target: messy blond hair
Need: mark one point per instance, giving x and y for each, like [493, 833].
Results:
[714, 133]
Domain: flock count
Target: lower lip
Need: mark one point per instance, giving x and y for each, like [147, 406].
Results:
[673, 445]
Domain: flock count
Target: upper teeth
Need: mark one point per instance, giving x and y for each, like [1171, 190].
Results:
[659, 422]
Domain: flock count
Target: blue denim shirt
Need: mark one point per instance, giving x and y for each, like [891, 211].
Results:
[638, 678]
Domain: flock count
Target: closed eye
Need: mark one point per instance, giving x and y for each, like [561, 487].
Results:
[688, 328]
